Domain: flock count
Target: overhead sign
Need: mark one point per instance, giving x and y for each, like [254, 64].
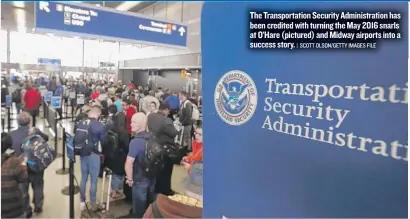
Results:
[90, 21]
[314, 133]
[53, 64]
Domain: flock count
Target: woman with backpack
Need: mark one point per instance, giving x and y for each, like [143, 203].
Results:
[115, 152]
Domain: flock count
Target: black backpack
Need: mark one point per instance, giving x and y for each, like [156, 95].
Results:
[38, 153]
[153, 161]
[112, 148]
[16, 96]
[83, 142]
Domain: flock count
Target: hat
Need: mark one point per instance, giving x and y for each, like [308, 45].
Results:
[193, 183]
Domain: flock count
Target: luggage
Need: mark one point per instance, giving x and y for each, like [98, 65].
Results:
[38, 153]
[103, 210]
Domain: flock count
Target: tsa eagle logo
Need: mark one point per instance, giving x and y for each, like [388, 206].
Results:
[236, 97]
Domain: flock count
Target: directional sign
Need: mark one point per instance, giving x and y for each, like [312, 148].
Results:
[56, 102]
[297, 155]
[9, 100]
[89, 21]
[70, 147]
[47, 96]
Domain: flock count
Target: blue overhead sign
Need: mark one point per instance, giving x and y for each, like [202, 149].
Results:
[55, 64]
[89, 21]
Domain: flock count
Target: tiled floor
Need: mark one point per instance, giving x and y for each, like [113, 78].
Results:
[56, 205]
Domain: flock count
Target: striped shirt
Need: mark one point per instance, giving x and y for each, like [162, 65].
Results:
[13, 172]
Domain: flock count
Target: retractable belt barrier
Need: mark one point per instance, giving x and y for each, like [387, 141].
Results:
[72, 189]
[63, 170]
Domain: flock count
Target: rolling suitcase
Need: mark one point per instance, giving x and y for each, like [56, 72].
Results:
[103, 208]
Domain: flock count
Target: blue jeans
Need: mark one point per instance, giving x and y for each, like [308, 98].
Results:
[90, 165]
[142, 192]
[117, 182]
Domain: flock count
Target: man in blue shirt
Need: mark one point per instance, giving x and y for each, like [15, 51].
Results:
[142, 187]
[90, 165]
[118, 102]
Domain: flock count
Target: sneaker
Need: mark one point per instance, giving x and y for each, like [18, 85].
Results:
[94, 207]
[83, 206]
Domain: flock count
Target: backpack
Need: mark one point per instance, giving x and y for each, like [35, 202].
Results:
[16, 96]
[195, 111]
[111, 149]
[83, 142]
[153, 159]
[38, 153]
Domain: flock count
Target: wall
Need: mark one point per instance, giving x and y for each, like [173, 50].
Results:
[166, 79]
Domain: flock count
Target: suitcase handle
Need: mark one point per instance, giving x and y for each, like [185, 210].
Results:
[105, 172]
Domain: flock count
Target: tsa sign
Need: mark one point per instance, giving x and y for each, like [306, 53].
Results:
[47, 96]
[323, 133]
[56, 102]
[9, 101]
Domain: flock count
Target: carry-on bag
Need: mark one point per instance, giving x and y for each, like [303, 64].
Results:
[103, 210]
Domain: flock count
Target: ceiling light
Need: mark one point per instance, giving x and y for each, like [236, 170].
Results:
[20, 17]
[98, 5]
[125, 6]
[18, 4]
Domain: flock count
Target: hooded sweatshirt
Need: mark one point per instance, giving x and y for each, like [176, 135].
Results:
[176, 206]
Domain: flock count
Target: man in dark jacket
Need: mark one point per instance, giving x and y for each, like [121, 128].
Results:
[13, 172]
[185, 117]
[36, 179]
[163, 128]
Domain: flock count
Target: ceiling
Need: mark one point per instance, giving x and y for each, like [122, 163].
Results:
[20, 15]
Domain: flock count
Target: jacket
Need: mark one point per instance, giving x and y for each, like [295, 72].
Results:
[162, 127]
[146, 101]
[176, 206]
[13, 172]
[185, 113]
[32, 99]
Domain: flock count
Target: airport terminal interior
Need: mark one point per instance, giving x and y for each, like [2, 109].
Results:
[73, 48]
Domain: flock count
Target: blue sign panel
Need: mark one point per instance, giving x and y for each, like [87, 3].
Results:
[313, 133]
[9, 101]
[70, 147]
[47, 96]
[56, 102]
[106, 23]
[55, 64]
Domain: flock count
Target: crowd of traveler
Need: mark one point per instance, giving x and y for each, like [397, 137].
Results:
[121, 121]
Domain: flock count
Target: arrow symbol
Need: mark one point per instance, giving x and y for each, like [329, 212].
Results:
[44, 6]
[181, 31]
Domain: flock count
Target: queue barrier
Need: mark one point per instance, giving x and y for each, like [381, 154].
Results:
[63, 170]
[51, 120]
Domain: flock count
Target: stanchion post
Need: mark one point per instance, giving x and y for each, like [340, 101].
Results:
[8, 119]
[63, 170]
[71, 188]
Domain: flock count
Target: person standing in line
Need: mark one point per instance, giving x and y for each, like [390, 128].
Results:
[90, 164]
[143, 188]
[185, 117]
[32, 100]
[13, 173]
